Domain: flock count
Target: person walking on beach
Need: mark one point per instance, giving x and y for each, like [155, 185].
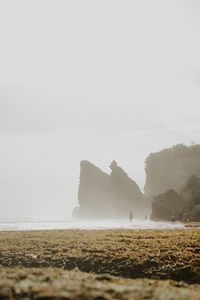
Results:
[173, 219]
[185, 218]
[131, 215]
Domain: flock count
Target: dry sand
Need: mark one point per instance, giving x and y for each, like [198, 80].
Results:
[153, 254]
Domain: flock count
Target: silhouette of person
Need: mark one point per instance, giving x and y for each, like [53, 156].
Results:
[131, 215]
[173, 219]
[185, 218]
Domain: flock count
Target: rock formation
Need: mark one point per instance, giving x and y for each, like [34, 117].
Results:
[110, 196]
[191, 195]
[171, 168]
[107, 196]
[171, 203]
[191, 192]
[167, 204]
[94, 191]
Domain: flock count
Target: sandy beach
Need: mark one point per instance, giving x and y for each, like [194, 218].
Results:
[131, 255]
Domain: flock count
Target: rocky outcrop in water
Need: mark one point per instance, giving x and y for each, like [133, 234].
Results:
[170, 203]
[171, 168]
[191, 195]
[167, 204]
[94, 191]
[107, 196]
[195, 213]
[191, 192]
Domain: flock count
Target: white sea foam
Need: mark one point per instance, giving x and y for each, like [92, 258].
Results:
[70, 223]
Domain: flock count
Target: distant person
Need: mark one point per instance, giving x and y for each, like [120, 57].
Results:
[131, 215]
[173, 219]
[185, 218]
[145, 217]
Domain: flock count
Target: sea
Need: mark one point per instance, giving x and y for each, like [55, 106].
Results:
[30, 223]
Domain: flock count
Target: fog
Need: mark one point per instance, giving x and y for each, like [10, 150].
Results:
[91, 80]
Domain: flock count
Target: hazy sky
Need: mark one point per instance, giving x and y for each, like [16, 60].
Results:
[96, 80]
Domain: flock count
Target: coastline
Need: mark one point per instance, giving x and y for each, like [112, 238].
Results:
[11, 224]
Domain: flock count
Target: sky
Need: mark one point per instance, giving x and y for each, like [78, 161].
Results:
[96, 80]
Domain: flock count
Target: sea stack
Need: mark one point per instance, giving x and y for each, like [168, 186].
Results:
[101, 195]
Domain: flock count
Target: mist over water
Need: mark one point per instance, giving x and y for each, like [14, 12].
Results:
[99, 149]
[72, 223]
[91, 80]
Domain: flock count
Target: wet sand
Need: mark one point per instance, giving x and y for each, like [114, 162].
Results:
[151, 254]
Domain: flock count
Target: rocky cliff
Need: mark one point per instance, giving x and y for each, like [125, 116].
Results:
[191, 195]
[167, 204]
[170, 203]
[114, 195]
[171, 168]
[107, 196]
[94, 191]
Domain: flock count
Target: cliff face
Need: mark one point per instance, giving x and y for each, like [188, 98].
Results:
[107, 196]
[125, 192]
[171, 168]
[94, 190]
